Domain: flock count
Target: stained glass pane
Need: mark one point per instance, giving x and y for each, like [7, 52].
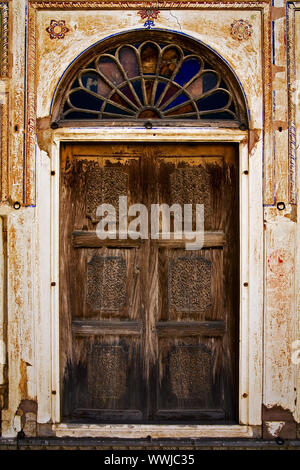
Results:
[149, 114]
[119, 100]
[169, 62]
[90, 81]
[188, 70]
[160, 88]
[221, 115]
[188, 108]
[196, 87]
[210, 81]
[109, 108]
[179, 100]
[149, 58]
[128, 59]
[217, 100]
[149, 88]
[169, 93]
[138, 89]
[94, 83]
[127, 92]
[76, 83]
[110, 69]
[81, 99]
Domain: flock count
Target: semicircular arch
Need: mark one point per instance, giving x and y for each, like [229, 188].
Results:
[149, 75]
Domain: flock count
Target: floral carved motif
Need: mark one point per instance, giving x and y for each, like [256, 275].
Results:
[149, 15]
[241, 29]
[57, 29]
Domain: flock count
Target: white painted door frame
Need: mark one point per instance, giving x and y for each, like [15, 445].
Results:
[251, 281]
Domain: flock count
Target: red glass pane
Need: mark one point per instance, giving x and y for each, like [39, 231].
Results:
[128, 93]
[110, 69]
[171, 91]
[129, 62]
[149, 113]
[188, 108]
[117, 99]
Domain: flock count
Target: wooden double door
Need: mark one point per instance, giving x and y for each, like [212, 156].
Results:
[149, 329]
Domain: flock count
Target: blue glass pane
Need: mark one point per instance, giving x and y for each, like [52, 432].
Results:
[91, 65]
[160, 88]
[75, 84]
[186, 52]
[222, 115]
[216, 100]
[187, 71]
[232, 107]
[180, 99]
[79, 115]
[81, 99]
[109, 108]
[209, 81]
[90, 81]
[138, 89]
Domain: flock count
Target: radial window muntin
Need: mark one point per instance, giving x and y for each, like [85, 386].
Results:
[151, 85]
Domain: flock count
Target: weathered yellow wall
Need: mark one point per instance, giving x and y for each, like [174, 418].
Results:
[266, 67]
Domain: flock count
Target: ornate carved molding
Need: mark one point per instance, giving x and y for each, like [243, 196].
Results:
[30, 119]
[291, 7]
[4, 145]
[34, 5]
[4, 39]
[132, 5]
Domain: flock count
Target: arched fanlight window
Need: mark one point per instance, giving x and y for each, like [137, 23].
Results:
[146, 75]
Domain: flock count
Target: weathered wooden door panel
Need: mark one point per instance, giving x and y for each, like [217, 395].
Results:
[149, 330]
[197, 297]
[101, 309]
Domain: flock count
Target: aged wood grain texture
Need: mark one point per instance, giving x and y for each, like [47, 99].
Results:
[149, 331]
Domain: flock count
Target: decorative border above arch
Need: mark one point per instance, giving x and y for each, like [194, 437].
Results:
[30, 128]
[4, 39]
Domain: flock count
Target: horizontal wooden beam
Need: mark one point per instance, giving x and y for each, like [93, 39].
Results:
[89, 239]
[211, 240]
[95, 327]
[192, 328]
[164, 328]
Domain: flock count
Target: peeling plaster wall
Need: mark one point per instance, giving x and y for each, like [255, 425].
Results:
[26, 342]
